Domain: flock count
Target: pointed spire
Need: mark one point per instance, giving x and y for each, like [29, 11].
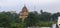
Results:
[24, 9]
[24, 5]
[24, 13]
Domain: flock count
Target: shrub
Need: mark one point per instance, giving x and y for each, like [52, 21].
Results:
[44, 24]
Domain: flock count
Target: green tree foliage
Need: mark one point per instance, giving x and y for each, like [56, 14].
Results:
[32, 18]
[4, 19]
[12, 20]
[7, 19]
[36, 18]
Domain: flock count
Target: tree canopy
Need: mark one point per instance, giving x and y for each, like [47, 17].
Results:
[8, 19]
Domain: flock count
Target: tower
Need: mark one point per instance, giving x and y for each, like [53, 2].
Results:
[24, 13]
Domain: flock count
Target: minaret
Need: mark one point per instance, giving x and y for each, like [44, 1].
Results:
[24, 13]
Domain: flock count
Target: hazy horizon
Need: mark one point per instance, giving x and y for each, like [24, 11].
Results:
[51, 6]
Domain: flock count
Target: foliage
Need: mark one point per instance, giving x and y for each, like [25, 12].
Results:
[12, 20]
[44, 24]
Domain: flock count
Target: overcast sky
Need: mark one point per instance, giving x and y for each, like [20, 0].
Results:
[51, 6]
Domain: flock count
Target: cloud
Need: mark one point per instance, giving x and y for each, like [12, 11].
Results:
[46, 5]
[41, 2]
[9, 5]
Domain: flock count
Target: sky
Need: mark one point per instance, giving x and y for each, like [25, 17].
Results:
[52, 6]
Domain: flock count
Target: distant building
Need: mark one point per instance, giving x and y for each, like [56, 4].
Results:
[24, 13]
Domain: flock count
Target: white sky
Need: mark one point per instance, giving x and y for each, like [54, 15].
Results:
[52, 6]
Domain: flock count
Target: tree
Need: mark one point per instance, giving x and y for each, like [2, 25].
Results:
[4, 19]
[32, 19]
[7, 19]
[55, 16]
